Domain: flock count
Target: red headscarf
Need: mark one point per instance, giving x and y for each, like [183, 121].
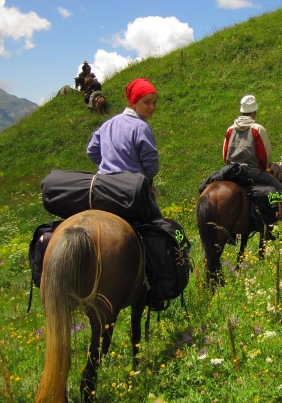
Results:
[138, 89]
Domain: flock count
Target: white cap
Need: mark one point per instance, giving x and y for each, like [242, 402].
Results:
[248, 104]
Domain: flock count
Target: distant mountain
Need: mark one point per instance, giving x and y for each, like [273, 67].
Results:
[12, 109]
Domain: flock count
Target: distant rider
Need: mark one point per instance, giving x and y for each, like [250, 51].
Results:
[86, 71]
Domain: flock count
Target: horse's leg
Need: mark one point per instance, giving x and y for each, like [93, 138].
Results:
[137, 310]
[262, 245]
[102, 331]
[243, 245]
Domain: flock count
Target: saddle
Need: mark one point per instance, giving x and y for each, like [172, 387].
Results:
[264, 200]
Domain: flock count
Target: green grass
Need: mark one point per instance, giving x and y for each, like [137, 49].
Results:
[239, 328]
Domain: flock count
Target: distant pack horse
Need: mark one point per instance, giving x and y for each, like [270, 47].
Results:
[94, 261]
[223, 210]
[93, 91]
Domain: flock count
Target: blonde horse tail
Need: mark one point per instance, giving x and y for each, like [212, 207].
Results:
[66, 266]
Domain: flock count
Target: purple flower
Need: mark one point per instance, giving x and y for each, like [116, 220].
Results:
[77, 328]
[38, 332]
[257, 330]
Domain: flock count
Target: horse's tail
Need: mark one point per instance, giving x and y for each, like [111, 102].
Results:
[71, 257]
[206, 222]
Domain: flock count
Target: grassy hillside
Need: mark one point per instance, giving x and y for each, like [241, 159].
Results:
[199, 87]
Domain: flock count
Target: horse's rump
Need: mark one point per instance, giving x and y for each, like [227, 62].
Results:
[229, 204]
[112, 244]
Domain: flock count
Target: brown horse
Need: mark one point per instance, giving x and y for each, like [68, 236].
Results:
[93, 89]
[223, 210]
[97, 103]
[94, 261]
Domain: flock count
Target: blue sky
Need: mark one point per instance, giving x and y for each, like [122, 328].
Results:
[43, 43]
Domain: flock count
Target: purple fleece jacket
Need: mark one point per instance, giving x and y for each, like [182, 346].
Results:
[124, 143]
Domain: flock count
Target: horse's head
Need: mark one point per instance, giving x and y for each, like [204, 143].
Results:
[276, 170]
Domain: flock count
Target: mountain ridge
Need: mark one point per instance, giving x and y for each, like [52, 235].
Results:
[13, 109]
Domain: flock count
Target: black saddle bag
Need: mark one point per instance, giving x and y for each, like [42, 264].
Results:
[126, 194]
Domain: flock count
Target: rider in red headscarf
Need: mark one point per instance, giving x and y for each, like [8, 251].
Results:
[126, 142]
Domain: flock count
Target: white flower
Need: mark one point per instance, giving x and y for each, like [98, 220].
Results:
[270, 308]
[269, 334]
[269, 360]
[216, 361]
[202, 357]
[261, 293]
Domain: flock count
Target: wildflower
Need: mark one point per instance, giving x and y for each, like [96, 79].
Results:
[268, 335]
[77, 328]
[206, 340]
[38, 332]
[252, 354]
[234, 322]
[179, 354]
[162, 365]
[261, 293]
[202, 357]
[257, 329]
[216, 361]
[270, 308]
[269, 360]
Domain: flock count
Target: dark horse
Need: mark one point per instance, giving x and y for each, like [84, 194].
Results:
[94, 261]
[80, 80]
[223, 210]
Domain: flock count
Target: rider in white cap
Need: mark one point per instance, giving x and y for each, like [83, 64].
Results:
[247, 142]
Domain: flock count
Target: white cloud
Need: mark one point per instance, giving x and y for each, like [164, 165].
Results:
[234, 4]
[106, 64]
[19, 26]
[150, 36]
[155, 36]
[64, 12]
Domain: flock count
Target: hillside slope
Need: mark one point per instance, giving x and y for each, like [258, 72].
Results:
[199, 87]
